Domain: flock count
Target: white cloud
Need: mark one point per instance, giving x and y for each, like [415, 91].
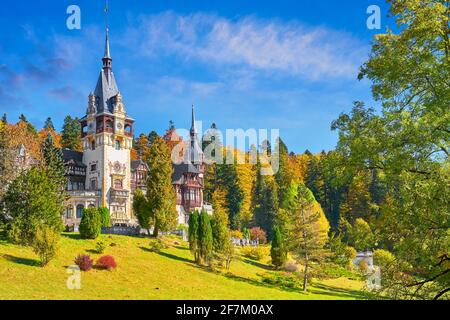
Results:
[266, 45]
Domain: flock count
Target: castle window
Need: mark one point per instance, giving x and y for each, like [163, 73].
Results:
[94, 184]
[80, 209]
[93, 167]
[93, 145]
[69, 212]
[118, 145]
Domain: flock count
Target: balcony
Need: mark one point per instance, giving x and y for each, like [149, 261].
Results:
[119, 194]
[84, 193]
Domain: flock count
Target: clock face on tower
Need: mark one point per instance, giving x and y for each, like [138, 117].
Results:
[117, 167]
[119, 126]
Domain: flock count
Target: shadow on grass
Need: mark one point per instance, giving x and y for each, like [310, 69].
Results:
[337, 292]
[258, 283]
[258, 264]
[181, 248]
[19, 260]
[167, 255]
[73, 236]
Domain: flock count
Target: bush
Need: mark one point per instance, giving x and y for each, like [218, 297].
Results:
[254, 253]
[363, 266]
[283, 280]
[258, 233]
[157, 245]
[291, 266]
[278, 251]
[100, 247]
[91, 224]
[105, 217]
[383, 258]
[84, 262]
[45, 244]
[106, 262]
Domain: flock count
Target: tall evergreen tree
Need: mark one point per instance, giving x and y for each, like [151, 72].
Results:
[48, 125]
[71, 134]
[161, 196]
[141, 210]
[193, 235]
[54, 163]
[278, 249]
[205, 238]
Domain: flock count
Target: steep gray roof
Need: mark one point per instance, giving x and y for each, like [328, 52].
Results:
[106, 90]
[180, 169]
[136, 163]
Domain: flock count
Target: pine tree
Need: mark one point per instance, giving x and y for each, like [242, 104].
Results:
[71, 134]
[48, 125]
[54, 163]
[161, 196]
[307, 228]
[193, 235]
[205, 238]
[278, 250]
[32, 200]
[5, 119]
[282, 176]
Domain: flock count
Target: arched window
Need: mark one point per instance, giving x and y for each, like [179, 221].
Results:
[80, 209]
[92, 205]
[128, 128]
[118, 145]
[109, 125]
[69, 212]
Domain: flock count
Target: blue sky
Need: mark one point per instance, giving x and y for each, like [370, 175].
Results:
[288, 65]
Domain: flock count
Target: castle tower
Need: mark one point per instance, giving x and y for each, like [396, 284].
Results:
[107, 135]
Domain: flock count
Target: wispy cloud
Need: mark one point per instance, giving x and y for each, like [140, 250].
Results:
[268, 45]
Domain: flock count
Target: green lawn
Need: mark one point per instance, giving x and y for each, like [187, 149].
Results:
[142, 274]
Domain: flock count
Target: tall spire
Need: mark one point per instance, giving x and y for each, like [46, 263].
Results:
[193, 130]
[107, 57]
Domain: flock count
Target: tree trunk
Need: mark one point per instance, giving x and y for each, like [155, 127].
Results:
[305, 278]
[156, 231]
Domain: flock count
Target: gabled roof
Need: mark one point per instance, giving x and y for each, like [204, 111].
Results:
[137, 163]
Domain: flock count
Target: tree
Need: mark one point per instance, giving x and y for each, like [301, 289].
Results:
[32, 200]
[161, 198]
[307, 229]
[222, 246]
[282, 176]
[54, 164]
[45, 244]
[91, 224]
[48, 125]
[105, 217]
[278, 250]
[361, 235]
[142, 211]
[71, 134]
[408, 142]
[205, 238]
[193, 235]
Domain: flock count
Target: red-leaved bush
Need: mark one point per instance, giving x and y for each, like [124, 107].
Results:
[258, 233]
[84, 262]
[106, 262]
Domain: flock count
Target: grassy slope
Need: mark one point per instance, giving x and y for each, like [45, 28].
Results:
[142, 274]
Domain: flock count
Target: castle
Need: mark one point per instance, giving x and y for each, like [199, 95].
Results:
[103, 174]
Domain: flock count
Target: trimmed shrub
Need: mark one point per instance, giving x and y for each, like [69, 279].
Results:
[106, 263]
[45, 244]
[258, 233]
[278, 251]
[105, 217]
[91, 224]
[254, 253]
[84, 262]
